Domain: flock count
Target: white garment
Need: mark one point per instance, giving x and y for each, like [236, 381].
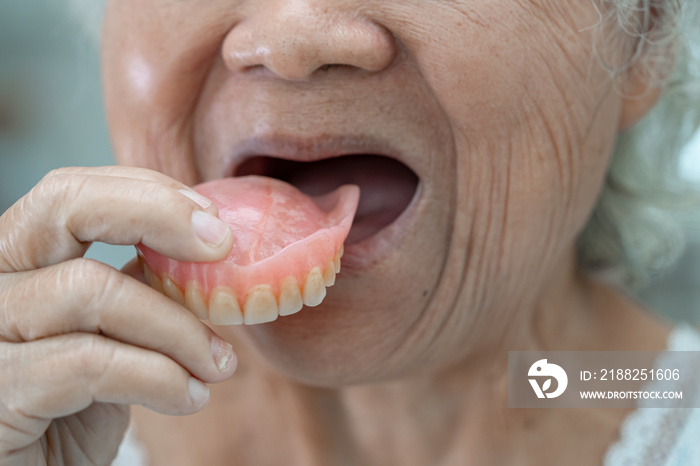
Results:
[130, 453]
[648, 436]
[663, 436]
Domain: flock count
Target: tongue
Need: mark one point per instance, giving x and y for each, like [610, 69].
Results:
[268, 215]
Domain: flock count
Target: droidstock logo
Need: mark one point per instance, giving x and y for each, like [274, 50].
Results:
[541, 369]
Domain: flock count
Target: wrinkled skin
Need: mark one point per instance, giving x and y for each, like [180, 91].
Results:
[502, 110]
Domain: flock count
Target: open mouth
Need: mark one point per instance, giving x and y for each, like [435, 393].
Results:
[291, 221]
[387, 186]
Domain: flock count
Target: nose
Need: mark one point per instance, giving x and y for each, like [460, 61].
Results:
[295, 38]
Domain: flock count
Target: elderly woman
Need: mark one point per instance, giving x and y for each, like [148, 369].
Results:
[480, 134]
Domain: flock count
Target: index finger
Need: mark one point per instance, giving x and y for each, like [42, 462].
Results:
[71, 208]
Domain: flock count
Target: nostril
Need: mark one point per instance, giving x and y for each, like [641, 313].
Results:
[296, 41]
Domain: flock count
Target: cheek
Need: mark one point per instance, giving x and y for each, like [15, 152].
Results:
[528, 105]
[534, 123]
[154, 67]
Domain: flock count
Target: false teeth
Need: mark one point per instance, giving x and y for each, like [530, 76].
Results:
[281, 233]
[329, 274]
[155, 282]
[260, 305]
[194, 301]
[172, 291]
[314, 288]
[336, 259]
[224, 308]
[290, 300]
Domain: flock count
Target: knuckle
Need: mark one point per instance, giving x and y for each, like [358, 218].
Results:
[33, 227]
[89, 284]
[92, 281]
[54, 181]
[54, 173]
[90, 357]
[51, 189]
[87, 270]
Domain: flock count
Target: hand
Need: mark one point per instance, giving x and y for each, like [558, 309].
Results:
[79, 340]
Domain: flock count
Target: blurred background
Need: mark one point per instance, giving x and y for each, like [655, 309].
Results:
[51, 115]
[51, 112]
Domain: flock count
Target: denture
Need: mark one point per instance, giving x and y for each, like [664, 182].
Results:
[287, 250]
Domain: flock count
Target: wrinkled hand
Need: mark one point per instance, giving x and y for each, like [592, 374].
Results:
[79, 340]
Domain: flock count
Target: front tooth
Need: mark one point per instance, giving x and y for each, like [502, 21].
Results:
[194, 301]
[173, 292]
[336, 262]
[148, 275]
[314, 288]
[224, 308]
[290, 297]
[261, 305]
[156, 284]
[329, 274]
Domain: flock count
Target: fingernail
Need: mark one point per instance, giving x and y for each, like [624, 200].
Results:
[210, 229]
[202, 201]
[224, 357]
[199, 393]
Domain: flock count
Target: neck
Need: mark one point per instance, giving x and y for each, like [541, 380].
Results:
[456, 415]
[460, 415]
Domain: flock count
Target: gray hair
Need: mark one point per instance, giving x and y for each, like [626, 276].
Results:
[631, 236]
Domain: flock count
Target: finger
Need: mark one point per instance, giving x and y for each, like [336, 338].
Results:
[63, 375]
[66, 211]
[134, 269]
[127, 172]
[82, 295]
[118, 171]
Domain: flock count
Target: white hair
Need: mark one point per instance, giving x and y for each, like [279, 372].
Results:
[631, 236]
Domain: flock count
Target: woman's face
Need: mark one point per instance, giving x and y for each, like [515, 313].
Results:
[498, 107]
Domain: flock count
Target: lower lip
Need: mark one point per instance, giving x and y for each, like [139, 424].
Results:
[374, 249]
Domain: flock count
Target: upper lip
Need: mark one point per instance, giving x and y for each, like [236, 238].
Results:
[309, 149]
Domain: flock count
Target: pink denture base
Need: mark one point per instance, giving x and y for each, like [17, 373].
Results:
[279, 232]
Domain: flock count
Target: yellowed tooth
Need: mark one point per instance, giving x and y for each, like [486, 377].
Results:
[148, 275]
[336, 262]
[314, 288]
[224, 308]
[156, 284]
[194, 301]
[342, 251]
[173, 291]
[290, 297]
[260, 306]
[329, 274]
